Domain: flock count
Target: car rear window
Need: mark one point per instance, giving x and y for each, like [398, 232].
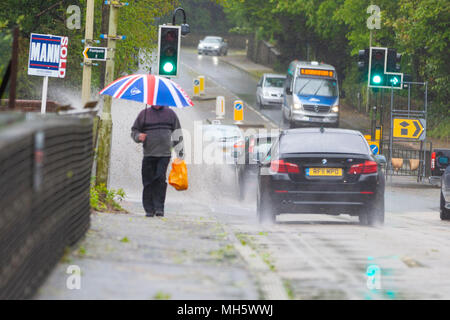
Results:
[324, 143]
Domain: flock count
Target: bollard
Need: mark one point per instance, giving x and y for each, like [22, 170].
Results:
[220, 107]
[238, 107]
[196, 87]
[202, 84]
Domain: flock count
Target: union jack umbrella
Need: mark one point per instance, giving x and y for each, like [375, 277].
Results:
[148, 89]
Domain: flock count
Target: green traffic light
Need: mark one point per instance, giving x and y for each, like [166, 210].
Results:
[168, 67]
[376, 79]
[394, 81]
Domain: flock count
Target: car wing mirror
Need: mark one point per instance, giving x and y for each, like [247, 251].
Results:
[381, 159]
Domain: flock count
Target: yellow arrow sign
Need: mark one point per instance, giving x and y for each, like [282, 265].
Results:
[409, 128]
[95, 53]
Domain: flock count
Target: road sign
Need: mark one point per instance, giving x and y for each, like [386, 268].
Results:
[220, 107]
[95, 53]
[409, 128]
[238, 107]
[374, 145]
[47, 56]
[196, 84]
[202, 84]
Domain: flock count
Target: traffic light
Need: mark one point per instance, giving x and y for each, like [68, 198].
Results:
[363, 60]
[168, 50]
[377, 61]
[363, 64]
[384, 65]
[393, 61]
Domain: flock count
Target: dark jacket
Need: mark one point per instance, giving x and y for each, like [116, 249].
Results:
[159, 126]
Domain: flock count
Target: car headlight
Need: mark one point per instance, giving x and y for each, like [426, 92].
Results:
[335, 108]
[298, 106]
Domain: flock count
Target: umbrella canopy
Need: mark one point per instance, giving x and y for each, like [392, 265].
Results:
[148, 89]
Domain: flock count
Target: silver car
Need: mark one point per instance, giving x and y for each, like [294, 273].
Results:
[269, 91]
[213, 45]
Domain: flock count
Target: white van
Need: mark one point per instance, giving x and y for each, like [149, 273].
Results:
[311, 95]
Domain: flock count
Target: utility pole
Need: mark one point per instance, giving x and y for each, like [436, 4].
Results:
[104, 143]
[368, 89]
[87, 66]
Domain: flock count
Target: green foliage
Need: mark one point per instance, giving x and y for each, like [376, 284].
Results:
[160, 295]
[204, 16]
[334, 30]
[106, 200]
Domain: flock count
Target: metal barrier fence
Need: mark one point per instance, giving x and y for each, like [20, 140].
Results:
[408, 161]
[45, 171]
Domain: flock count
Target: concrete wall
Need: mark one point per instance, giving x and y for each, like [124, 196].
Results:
[264, 53]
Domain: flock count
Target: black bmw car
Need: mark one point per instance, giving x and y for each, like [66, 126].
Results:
[317, 170]
[445, 194]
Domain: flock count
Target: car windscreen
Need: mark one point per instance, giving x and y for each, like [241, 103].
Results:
[324, 143]
[315, 87]
[212, 40]
[274, 82]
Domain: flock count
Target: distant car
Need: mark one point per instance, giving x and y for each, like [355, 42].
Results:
[329, 171]
[445, 194]
[440, 160]
[228, 139]
[256, 148]
[213, 45]
[269, 90]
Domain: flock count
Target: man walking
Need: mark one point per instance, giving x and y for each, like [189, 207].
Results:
[154, 128]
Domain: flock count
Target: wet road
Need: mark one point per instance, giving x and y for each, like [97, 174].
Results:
[299, 257]
[327, 257]
[233, 79]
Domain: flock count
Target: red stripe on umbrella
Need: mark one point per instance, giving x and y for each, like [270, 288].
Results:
[125, 86]
[150, 92]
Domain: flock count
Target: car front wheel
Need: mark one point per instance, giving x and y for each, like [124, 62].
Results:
[445, 213]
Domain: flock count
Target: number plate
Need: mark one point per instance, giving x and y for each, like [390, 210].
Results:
[324, 172]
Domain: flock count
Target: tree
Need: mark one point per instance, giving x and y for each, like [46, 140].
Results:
[137, 21]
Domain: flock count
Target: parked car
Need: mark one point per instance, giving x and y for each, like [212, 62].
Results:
[269, 90]
[445, 194]
[439, 162]
[256, 148]
[328, 171]
[213, 45]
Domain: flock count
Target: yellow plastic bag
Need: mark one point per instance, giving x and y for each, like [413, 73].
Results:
[178, 177]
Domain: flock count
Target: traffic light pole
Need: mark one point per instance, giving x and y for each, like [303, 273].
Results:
[104, 143]
[368, 89]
